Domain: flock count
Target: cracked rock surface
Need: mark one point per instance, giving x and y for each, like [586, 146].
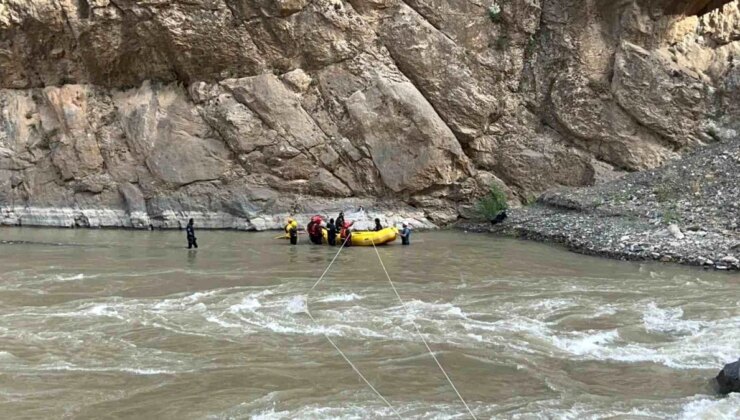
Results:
[238, 112]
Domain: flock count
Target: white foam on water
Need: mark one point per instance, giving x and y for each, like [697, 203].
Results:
[218, 321]
[182, 302]
[341, 297]
[715, 408]
[552, 305]
[101, 310]
[669, 321]
[708, 345]
[133, 371]
[297, 304]
[705, 349]
[357, 411]
[248, 303]
[426, 310]
[605, 310]
[70, 278]
[586, 343]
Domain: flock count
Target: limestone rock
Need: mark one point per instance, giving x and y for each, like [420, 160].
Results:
[298, 80]
[409, 157]
[676, 232]
[660, 94]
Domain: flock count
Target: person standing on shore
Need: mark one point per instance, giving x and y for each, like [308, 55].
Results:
[190, 232]
[405, 234]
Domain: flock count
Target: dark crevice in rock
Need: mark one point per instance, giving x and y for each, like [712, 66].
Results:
[83, 9]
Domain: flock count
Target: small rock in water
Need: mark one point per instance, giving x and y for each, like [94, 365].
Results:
[728, 379]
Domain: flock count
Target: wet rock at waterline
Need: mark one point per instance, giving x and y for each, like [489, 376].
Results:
[728, 379]
[146, 113]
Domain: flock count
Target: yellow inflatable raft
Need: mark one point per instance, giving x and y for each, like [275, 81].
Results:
[367, 238]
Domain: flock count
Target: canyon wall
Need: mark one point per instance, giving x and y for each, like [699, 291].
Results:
[238, 112]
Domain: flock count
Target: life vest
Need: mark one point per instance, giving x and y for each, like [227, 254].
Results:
[343, 231]
[314, 226]
[292, 224]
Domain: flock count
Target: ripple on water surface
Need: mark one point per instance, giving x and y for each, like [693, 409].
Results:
[524, 330]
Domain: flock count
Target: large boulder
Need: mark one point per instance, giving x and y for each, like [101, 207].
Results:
[409, 144]
[728, 379]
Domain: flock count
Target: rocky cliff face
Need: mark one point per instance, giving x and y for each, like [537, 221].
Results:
[131, 113]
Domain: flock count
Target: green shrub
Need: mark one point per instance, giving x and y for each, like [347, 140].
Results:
[530, 199]
[671, 216]
[493, 203]
[494, 12]
[665, 192]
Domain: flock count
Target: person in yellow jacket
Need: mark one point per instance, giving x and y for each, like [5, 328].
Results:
[291, 228]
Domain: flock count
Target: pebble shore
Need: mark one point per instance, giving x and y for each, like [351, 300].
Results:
[686, 212]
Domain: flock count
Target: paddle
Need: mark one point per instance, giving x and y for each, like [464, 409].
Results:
[286, 236]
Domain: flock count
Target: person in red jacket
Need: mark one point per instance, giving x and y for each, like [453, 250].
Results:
[314, 230]
[346, 233]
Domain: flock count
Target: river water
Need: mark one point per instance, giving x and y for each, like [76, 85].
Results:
[122, 324]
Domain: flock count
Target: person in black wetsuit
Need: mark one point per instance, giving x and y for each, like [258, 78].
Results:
[332, 233]
[190, 232]
[378, 226]
[339, 223]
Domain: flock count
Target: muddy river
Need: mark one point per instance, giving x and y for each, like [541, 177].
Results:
[123, 324]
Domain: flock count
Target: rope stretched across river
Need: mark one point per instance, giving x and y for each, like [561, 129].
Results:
[346, 359]
[418, 331]
[403, 305]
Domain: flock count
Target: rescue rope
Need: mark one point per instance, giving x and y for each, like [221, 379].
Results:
[346, 359]
[418, 331]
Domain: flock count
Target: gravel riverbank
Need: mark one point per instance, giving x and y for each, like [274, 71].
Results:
[687, 212]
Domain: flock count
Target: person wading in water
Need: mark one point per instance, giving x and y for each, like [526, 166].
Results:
[346, 233]
[405, 234]
[314, 229]
[190, 232]
[291, 228]
[332, 233]
[340, 221]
